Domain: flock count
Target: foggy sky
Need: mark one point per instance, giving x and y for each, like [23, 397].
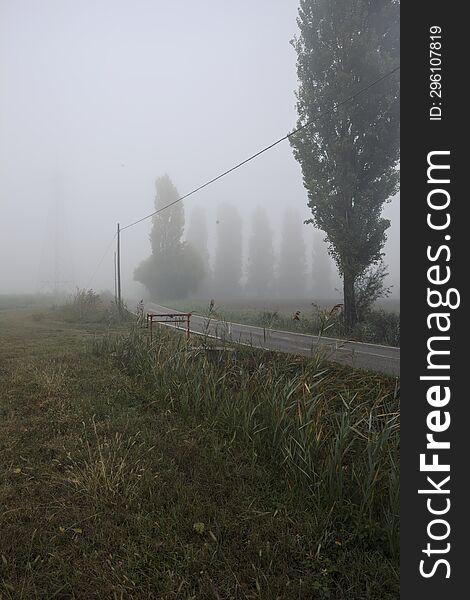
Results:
[98, 98]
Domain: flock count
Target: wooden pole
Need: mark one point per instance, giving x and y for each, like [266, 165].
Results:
[115, 279]
[119, 267]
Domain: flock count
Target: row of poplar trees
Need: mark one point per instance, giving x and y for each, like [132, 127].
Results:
[180, 264]
[348, 150]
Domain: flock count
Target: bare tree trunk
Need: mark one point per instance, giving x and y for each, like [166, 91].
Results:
[350, 314]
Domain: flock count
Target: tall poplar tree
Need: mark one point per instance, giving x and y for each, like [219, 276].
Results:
[228, 255]
[348, 155]
[197, 238]
[174, 269]
[292, 259]
[260, 268]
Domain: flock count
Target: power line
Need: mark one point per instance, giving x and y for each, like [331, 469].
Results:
[265, 149]
[240, 164]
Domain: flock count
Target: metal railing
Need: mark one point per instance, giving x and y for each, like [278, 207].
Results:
[169, 318]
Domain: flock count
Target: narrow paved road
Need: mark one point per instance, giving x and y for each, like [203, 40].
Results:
[384, 359]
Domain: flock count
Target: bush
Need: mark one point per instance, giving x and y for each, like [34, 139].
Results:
[88, 306]
[370, 287]
[379, 327]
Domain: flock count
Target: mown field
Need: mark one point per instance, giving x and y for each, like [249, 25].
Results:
[138, 470]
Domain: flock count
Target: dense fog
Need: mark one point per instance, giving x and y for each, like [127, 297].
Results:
[99, 99]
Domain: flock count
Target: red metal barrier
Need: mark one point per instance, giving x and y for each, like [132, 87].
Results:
[173, 318]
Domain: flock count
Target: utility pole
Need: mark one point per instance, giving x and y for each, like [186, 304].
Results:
[119, 268]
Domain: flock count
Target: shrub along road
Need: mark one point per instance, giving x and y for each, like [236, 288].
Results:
[374, 357]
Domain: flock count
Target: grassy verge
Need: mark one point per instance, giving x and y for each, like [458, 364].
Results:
[138, 470]
[381, 326]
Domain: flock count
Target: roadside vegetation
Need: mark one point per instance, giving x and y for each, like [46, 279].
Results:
[379, 324]
[168, 470]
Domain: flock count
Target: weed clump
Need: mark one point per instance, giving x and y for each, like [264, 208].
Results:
[87, 306]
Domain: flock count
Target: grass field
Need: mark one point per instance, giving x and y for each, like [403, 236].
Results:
[131, 470]
[8, 301]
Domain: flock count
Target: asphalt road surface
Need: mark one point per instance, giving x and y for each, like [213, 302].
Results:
[374, 357]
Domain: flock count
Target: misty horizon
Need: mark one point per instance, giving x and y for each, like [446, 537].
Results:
[100, 100]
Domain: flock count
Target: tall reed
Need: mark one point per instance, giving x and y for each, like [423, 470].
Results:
[330, 432]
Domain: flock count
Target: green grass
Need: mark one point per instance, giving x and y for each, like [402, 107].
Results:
[138, 470]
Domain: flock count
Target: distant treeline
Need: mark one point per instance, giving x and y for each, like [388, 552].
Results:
[180, 265]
